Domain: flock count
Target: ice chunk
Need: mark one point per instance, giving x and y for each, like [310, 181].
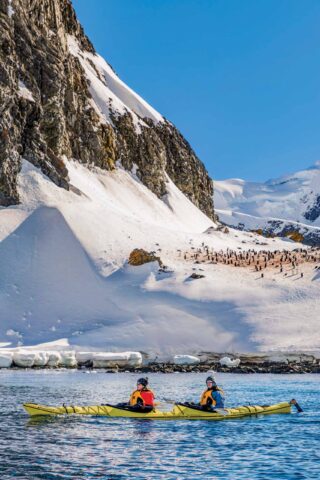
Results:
[40, 359]
[185, 360]
[110, 359]
[227, 362]
[54, 359]
[24, 358]
[135, 359]
[6, 359]
[84, 357]
[124, 359]
[68, 359]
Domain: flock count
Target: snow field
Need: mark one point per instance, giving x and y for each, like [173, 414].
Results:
[71, 280]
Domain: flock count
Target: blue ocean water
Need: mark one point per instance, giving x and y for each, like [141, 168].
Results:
[266, 447]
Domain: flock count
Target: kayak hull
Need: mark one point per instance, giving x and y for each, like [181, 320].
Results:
[179, 411]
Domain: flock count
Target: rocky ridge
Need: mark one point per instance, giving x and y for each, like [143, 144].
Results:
[47, 111]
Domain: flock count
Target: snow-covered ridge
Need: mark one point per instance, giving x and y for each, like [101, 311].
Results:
[292, 200]
[108, 91]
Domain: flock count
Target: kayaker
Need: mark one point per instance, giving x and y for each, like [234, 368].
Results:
[142, 398]
[212, 397]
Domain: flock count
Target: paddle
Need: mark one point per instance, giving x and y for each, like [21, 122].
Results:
[168, 400]
[296, 404]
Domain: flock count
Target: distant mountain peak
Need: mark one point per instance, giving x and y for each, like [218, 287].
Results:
[277, 206]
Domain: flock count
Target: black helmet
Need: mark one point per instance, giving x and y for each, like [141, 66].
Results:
[211, 379]
[143, 381]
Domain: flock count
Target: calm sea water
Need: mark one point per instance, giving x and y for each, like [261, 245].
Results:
[270, 447]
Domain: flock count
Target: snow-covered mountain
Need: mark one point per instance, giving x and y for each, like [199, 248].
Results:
[282, 206]
[88, 173]
[59, 98]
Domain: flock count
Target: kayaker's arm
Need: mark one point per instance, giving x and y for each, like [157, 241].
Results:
[218, 399]
[296, 404]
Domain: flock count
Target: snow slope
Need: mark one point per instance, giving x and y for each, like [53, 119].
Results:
[64, 273]
[292, 199]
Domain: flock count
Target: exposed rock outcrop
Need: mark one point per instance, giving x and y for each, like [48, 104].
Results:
[47, 111]
[138, 257]
[195, 276]
[314, 211]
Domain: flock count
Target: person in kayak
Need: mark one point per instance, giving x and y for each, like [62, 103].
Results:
[142, 398]
[213, 396]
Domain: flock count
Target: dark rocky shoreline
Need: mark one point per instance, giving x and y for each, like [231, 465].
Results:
[245, 368]
[267, 367]
[246, 363]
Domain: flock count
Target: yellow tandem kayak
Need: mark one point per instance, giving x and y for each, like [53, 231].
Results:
[179, 411]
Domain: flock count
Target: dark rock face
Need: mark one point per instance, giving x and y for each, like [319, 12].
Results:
[185, 169]
[314, 211]
[46, 111]
[284, 228]
[298, 233]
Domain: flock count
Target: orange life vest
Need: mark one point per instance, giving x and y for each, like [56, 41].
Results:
[146, 396]
[207, 395]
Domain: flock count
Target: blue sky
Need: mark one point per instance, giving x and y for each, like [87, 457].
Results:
[239, 78]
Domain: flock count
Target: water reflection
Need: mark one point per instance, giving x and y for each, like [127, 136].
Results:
[144, 429]
[40, 421]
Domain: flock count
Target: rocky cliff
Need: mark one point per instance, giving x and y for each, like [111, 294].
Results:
[59, 99]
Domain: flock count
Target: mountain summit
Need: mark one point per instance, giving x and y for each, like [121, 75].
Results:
[59, 99]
